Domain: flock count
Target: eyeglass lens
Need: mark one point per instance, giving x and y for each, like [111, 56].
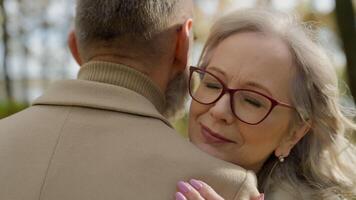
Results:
[248, 106]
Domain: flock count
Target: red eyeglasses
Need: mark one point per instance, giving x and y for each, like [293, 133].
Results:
[249, 106]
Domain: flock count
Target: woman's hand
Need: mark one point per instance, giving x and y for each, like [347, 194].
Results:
[198, 190]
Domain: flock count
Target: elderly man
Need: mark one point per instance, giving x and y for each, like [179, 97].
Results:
[106, 135]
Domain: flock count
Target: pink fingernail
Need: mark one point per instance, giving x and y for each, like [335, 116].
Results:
[183, 187]
[196, 184]
[180, 196]
[261, 197]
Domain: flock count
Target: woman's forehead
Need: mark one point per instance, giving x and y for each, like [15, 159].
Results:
[252, 53]
[253, 58]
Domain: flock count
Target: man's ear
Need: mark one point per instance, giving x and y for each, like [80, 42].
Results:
[73, 46]
[289, 142]
[182, 46]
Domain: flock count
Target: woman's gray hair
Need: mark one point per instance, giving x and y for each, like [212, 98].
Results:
[324, 160]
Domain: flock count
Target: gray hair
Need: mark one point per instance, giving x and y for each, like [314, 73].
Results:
[324, 160]
[134, 21]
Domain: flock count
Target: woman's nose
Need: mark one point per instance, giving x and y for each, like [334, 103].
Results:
[221, 110]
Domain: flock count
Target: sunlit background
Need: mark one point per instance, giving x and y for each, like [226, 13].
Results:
[34, 53]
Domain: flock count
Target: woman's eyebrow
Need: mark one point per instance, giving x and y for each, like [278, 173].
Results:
[259, 86]
[247, 83]
[216, 69]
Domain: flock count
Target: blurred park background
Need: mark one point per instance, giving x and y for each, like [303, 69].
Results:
[34, 53]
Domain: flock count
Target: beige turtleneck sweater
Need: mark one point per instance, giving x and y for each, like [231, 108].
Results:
[123, 76]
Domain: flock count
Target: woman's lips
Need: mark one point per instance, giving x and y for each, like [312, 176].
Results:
[212, 137]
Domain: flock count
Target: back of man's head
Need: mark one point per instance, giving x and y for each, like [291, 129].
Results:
[127, 24]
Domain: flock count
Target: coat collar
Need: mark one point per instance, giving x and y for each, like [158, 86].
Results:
[108, 90]
[123, 76]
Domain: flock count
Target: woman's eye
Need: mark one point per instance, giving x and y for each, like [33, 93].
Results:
[253, 102]
[213, 85]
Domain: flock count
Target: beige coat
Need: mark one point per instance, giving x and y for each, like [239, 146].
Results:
[103, 137]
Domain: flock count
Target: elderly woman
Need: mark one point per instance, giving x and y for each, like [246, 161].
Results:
[267, 99]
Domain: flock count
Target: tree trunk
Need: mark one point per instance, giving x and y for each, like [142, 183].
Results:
[24, 51]
[346, 23]
[8, 88]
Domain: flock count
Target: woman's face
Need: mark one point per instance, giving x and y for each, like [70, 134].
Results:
[251, 61]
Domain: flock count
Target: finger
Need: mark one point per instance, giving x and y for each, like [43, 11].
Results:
[188, 191]
[259, 197]
[180, 196]
[249, 189]
[205, 190]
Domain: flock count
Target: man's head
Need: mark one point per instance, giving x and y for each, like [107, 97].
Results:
[142, 26]
[152, 36]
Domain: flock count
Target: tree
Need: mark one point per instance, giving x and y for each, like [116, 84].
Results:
[8, 88]
[346, 23]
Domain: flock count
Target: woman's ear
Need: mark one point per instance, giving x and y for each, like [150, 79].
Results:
[290, 141]
[73, 46]
[182, 46]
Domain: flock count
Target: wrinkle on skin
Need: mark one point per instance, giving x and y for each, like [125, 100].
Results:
[237, 78]
[254, 61]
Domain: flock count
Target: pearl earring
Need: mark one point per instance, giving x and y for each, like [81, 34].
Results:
[281, 158]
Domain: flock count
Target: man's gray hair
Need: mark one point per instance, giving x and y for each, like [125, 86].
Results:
[131, 20]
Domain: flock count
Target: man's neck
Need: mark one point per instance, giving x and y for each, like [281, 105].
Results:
[124, 60]
[155, 72]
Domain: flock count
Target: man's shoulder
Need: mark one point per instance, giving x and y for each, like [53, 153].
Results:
[99, 96]
[32, 114]
[228, 179]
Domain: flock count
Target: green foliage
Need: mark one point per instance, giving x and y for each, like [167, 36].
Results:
[181, 125]
[9, 108]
